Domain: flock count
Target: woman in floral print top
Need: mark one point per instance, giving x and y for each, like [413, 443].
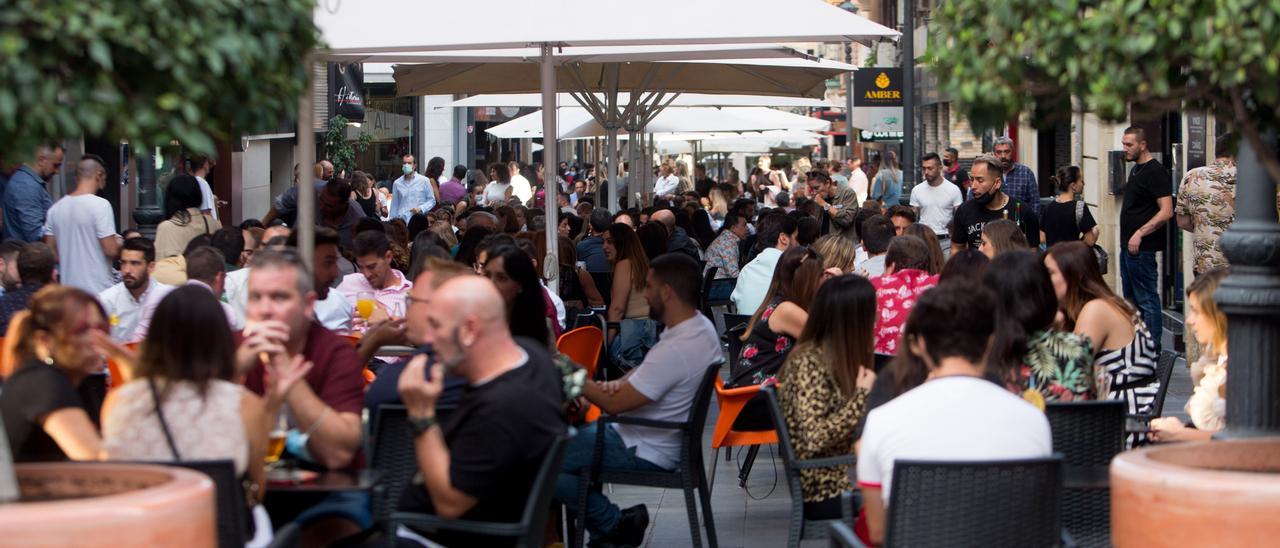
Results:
[773, 330]
[1027, 353]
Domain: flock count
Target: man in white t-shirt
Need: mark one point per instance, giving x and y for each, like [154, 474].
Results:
[661, 388]
[520, 186]
[666, 185]
[201, 165]
[936, 201]
[957, 414]
[81, 229]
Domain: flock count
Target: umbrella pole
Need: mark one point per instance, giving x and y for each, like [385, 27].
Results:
[551, 187]
[306, 221]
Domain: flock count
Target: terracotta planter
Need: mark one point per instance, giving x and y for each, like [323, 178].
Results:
[104, 504]
[1220, 493]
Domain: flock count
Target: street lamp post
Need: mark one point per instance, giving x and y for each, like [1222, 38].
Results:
[1250, 297]
[148, 213]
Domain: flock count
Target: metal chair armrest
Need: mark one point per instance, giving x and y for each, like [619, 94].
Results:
[287, 536]
[436, 523]
[826, 462]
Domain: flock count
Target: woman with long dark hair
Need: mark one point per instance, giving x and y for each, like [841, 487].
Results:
[774, 326]
[1126, 353]
[627, 305]
[183, 219]
[653, 239]
[936, 257]
[1027, 352]
[512, 272]
[498, 191]
[824, 385]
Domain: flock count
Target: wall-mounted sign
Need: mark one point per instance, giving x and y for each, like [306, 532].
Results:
[346, 86]
[877, 87]
[1197, 139]
[869, 136]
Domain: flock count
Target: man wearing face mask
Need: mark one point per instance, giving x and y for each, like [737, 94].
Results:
[413, 193]
[480, 462]
[989, 203]
[955, 174]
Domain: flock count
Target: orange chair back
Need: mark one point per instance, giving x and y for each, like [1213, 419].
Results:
[353, 339]
[582, 346]
[119, 374]
[731, 402]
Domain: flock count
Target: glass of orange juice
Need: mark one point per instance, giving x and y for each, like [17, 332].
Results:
[364, 304]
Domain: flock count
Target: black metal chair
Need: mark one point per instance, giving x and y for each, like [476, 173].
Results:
[689, 475]
[734, 326]
[529, 531]
[840, 535]
[1088, 434]
[802, 527]
[1164, 372]
[391, 452]
[709, 281]
[991, 503]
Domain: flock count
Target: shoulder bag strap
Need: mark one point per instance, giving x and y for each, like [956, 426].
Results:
[164, 425]
[1079, 213]
[206, 222]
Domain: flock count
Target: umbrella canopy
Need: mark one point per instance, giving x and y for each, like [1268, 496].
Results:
[760, 142]
[576, 122]
[397, 25]
[790, 77]
[684, 100]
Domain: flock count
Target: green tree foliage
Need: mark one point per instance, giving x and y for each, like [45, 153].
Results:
[341, 151]
[997, 59]
[150, 71]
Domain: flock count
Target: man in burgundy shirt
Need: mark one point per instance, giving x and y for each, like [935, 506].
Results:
[325, 410]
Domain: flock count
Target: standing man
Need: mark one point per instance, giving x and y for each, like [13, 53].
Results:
[702, 183]
[839, 205]
[123, 302]
[1147, 207]
[1207, 205]
[666, 185]
[454, 190]
[82, 230]
[201, 165]
[989, 203]
[936, 202]
[412, 193]
[1019, 181]
[520, 186]
[955, 174]
[858, 180]
[26, 201]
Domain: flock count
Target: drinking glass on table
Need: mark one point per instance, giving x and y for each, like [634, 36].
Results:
[397, 310]
[365, 304]
[275, 440]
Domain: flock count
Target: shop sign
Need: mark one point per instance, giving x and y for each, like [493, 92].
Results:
[877, 87]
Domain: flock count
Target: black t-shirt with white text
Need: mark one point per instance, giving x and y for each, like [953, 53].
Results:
[1147, 184]
[970, 217]
[497, 438]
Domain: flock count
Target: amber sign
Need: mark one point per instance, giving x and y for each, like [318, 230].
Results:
[877, 87]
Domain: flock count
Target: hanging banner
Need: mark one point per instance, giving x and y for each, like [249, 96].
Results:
[346, 91]
[877, 87]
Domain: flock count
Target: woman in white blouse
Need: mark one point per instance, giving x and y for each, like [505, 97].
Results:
[1207, 405]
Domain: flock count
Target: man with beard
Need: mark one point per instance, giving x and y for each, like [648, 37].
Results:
[989, 203]
[124, 301]
[481, 461]
[839, 205]
[955, 173]
[661, 388]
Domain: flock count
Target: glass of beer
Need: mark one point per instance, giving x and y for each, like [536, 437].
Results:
[365, 304]
[275, 440]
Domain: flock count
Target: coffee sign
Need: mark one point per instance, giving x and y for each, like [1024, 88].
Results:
[877, 87]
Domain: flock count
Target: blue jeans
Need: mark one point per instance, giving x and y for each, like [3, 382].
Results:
[632, 343]
[1138, 279]
[602, 515]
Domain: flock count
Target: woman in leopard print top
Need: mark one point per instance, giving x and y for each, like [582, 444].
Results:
[823, 386]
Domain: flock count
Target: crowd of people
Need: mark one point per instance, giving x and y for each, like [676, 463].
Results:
[223, 333]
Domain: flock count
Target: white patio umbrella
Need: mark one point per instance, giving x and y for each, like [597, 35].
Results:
[395, 26]
[760, 142]
[683, 100]
[576, 122]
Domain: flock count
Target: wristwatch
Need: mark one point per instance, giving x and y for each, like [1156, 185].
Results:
[421, 424]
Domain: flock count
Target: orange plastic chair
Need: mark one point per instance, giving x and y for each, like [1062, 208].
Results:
[353, 339]
[731, 402]
[368, 376]
[118, 375]
[582, 346]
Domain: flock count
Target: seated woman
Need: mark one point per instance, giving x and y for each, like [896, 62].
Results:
[184, 402]
[838, 253]
[1207, 405]
[529, 312]
[1000, 236]
[55, 344]
[772, 331]
[905, 278]
[636, 334]
[1027, 352]
[937, 257]
[1126, 355]
[823, 387]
